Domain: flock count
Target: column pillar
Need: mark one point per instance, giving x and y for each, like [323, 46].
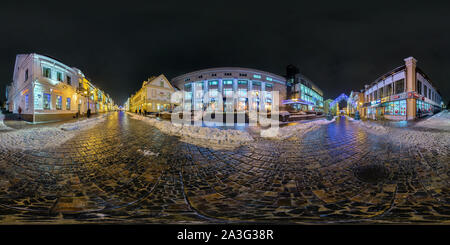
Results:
[410, 75]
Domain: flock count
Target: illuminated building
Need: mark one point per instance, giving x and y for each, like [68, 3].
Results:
[230, 88]
[45, 89]
[404, 93]
[302, 93]
[153, 96]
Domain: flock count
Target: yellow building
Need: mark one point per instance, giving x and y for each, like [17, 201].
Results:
[154, 96]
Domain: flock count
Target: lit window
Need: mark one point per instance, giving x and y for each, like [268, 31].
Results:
[58, 102]
[227, 82]
[47, 72]
[47, 101]
[228, 92]
[242, 82]
[68, 104]
[213, 83]
[59, 76]
[269, 78]
[257, 76]
[242, 92]
[269, 85]
[26, 102]
[213, 93]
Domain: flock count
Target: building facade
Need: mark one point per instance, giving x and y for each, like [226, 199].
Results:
[404, 93]
[45, 89]
[230, 89]
[153, 96]
[302, 93]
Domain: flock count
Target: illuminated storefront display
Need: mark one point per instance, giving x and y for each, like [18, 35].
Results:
[397, 108]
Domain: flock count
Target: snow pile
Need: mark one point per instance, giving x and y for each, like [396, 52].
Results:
[371, 127]
[296, 131]
[211, 137]
[3, 127]
[438, 121]
[262, 118]
[147, 153]
[83, 124]
[45, 137]
[432, 133]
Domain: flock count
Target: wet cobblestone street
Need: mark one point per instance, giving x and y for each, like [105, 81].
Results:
[125, 171]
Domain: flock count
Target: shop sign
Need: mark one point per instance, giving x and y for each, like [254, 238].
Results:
[413, 95]
[384, 99]
[399, 96]
[375, 102]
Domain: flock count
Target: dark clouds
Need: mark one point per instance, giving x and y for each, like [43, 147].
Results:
[340, 46]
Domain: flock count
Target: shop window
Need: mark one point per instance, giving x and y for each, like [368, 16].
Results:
[47, 101]
[68, 104]
[228, 92]
[26, 102]
[58, 102]
[213, 93]
[242, 92]
[213, 83]
[227, 82]
[244, 82]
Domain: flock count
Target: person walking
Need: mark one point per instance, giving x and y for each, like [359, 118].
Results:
[20, 111]
[89, 112]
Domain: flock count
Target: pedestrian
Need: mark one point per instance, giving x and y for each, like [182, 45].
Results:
[145, 112]
[420, 113]
[89, 112]
[139, 111]
[20, 111]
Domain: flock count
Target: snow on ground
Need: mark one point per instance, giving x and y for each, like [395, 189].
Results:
[3, 127]
[45, 137]
[297, 130]
[432, 133]
[211, 137]
[439, 121]
[147, 153]
[370, 126]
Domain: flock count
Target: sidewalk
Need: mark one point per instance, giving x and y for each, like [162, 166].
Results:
[21, 124]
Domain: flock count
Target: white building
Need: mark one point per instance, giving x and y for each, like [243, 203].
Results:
[154, 96]
[45, 89]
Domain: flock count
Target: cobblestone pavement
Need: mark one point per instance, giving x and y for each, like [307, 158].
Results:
[125, 171]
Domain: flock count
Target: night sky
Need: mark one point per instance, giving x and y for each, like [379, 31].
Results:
[340, 46]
